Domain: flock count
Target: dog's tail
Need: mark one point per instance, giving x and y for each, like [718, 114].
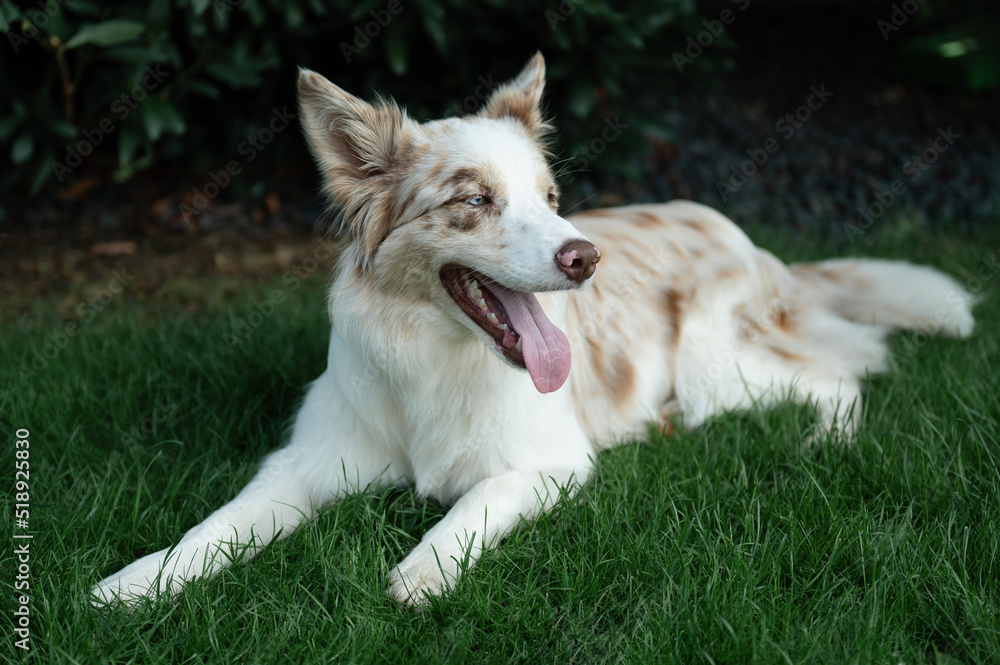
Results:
[889, 294]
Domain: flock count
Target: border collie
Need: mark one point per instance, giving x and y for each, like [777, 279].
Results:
[484, 348]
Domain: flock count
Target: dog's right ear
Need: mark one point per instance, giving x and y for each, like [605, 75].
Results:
[350, 138]
[355, 144]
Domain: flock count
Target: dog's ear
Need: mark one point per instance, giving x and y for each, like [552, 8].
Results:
[355, 145]
[521, 98]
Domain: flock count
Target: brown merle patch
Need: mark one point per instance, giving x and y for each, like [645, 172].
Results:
[620, 379]
[696, 226]
[672, 300]
[787, 355]
[595, 213]
[468, 221]
[646, 220]
[784, 321]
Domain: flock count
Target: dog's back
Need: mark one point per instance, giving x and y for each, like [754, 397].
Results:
[690, 317]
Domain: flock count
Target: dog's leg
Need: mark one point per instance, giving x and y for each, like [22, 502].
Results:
[274, 501]
[838, 407]
[328, 456]
[484, 515]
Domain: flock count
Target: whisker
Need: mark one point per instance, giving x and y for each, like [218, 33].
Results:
[580, 203]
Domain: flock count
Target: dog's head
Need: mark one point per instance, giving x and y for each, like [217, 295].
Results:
[461, 211]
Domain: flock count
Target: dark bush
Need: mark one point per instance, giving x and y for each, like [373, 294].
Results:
[196, 81]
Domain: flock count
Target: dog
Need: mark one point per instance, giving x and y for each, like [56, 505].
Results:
[484, 349]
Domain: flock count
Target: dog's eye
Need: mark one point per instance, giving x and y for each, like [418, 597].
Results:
[477, 200]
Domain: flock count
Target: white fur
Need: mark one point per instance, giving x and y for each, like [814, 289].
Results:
[414, 393]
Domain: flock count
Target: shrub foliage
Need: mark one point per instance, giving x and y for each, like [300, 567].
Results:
[119, 86]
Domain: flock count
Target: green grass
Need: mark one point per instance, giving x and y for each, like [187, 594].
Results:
[729, 544]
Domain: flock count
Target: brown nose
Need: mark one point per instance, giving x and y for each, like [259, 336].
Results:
[578, 259]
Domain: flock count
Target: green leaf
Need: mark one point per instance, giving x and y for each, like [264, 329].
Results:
[108, 33]
[657, 132]
[630, 36]
[85, 8]
[256, 12]
[123, 173]
[395, 48]
[293, 15]
[63, 128]
[23, 149]
[200, 87]
[128, 142]
[582, 99]
[9, 13]
[200, 6]
[159, 116]
[134, 54]
[432, 14]
[8, 124]
[238, 68]
[221, 15]
[158, 15]
[43, 173]
[318, 6]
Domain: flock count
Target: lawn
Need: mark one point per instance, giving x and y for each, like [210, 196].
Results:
[729, 544]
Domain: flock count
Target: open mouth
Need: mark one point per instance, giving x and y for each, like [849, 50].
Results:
[515, 321]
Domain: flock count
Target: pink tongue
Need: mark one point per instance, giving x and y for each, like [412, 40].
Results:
[545, 347]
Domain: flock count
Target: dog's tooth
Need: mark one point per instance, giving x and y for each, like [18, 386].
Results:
[492, 317]
[472, 288]
[482, 304]
[519, 345]
[504, 327]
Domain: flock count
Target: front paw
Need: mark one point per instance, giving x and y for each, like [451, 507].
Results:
[139, 580]
[418, 577]
[125, 589]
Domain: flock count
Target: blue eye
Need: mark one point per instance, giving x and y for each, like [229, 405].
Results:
[477, 200]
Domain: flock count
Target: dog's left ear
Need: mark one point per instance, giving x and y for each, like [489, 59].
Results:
[521, 98]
